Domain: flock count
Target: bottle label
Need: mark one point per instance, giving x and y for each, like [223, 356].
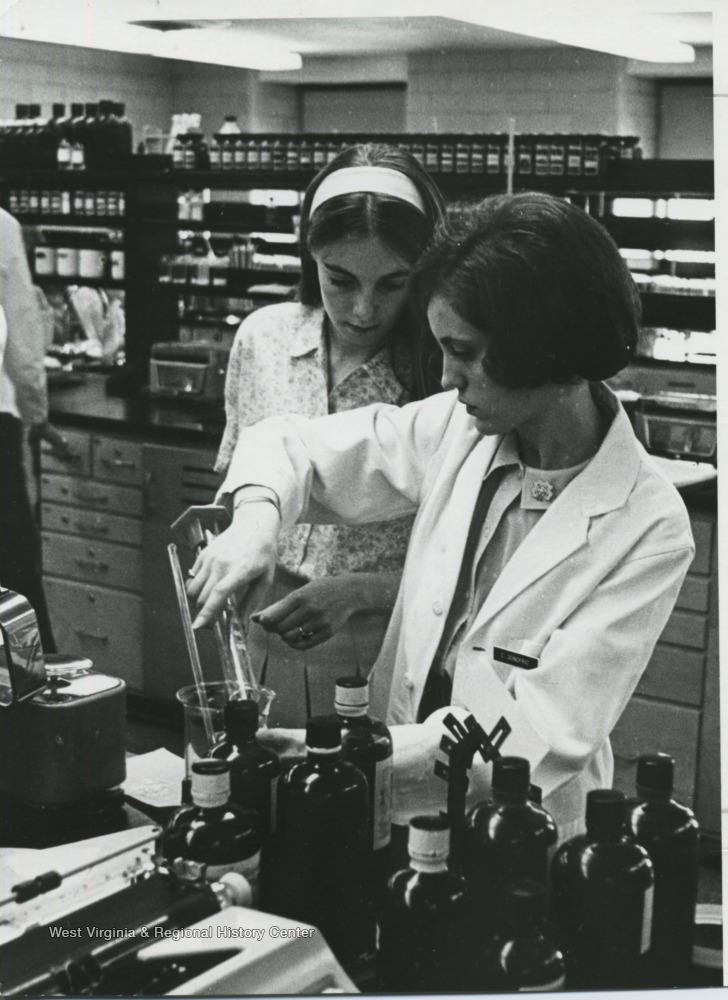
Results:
[647, 920]
[248, 867]
[382, 819]
[554, 986]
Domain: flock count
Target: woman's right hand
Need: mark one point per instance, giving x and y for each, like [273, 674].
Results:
[241, 560]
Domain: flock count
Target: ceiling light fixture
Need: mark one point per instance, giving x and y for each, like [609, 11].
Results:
[617, 33]
[93, 30]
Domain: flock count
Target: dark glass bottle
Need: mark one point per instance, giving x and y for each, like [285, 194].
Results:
[669, 833]
[367, 743]
[254, 769]
[316, 867]
[87, 134]
[507, 838]
[212, 831]
[524, 956]
[124, 137]
[424, 918]
[602, 891]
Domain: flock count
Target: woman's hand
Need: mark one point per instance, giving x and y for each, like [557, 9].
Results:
[59, 444]
[239, 560]
[313, 613]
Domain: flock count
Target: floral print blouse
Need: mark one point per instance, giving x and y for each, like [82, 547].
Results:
[278, 364]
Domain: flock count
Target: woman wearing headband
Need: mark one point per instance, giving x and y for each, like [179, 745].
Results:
[548, 548]
[351, 339]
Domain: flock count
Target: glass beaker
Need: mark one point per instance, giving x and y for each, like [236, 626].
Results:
[204, 723]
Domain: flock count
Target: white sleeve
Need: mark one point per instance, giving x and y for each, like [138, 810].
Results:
[353, 467]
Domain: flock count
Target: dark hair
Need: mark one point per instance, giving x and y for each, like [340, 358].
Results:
[544, 282]
[402, 227]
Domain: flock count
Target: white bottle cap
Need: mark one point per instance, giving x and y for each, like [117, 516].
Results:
[352, 696]
[429, 843]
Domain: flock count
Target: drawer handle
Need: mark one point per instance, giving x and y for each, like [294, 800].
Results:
[83, 634]
[91, 529]
[92, 497]
[89, 564]
[119, 463]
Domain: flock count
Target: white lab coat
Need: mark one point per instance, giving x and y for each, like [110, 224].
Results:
[585, 596]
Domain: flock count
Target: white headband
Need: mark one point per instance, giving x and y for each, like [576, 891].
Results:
[372, 180]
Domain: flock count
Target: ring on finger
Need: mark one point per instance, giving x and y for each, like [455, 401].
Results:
[303, 634]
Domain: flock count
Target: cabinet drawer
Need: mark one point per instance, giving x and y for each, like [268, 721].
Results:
[105, 625]
[694, 594]
[79, 462]
[703, 535]
[91, 524]
[685, 628]
[91, 495]
[674, 674]
[117, 461]
[648, 727]
[92, 562]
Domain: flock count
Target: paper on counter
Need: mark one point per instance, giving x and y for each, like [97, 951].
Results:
[155, 778]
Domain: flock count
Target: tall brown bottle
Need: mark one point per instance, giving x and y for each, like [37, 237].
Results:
[602, 895]
[669, 833]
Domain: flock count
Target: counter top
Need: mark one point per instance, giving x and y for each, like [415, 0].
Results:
[86, 403]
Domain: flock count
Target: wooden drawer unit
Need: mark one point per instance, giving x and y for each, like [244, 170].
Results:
[116, 460]
[647, 727]
[96, 562]
[674, 674]
[703, 532]
[105, 625]
[92, 495]
[91, 524]
[79, 462]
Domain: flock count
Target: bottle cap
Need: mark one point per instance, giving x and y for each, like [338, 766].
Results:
[605, 809]
[655, 772]
[76, 110]
[511, 775]
[91, 109]
[323, 734]
[241, 717]
[34, 110]
[59, 110]
[352, 695]
[429, 839]
[527, 903]
[210, 783]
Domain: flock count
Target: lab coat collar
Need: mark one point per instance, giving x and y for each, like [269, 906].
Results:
[603, 486]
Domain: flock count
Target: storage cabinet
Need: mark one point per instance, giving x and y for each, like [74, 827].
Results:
[91, 507]
[176, 478]
[676, 706]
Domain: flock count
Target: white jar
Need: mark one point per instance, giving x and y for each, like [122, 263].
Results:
[67, 262]
[91, 262]
[116, 265]
[44, 260]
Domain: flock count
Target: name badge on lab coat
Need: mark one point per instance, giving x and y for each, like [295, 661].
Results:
[514, 659]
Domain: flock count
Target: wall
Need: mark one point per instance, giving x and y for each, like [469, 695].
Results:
[152, 89]
[552, 90]
[40, 73]
[685, 127]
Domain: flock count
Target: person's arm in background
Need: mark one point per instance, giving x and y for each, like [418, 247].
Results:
[324, 606]
[25, 348]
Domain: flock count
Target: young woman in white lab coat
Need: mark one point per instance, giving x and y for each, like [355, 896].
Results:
[545, 610]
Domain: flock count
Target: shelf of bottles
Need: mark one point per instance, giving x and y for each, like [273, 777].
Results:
[94, 135]
[535, 155]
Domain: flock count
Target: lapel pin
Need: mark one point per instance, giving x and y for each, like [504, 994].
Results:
[542, 490]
